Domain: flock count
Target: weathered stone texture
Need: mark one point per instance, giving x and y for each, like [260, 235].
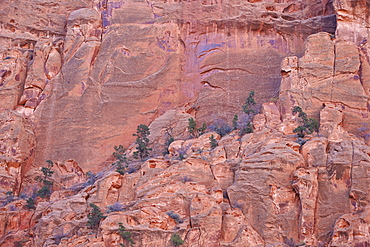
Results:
[77, 77]
[105, 66]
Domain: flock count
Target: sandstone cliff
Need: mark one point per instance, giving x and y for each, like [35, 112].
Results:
[77, 77]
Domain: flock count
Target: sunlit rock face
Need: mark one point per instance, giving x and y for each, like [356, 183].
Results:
[78, 77]
[88, 72]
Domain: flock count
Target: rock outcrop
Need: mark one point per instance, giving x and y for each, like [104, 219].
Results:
[102, 67]
[78, 77]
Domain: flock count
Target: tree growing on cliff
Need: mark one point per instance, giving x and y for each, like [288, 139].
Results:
[247, 127]
[176, 240]
[235, 122]
[126, 235]
[308, 125]
[169, 140]
[249, 103]
[213, 142]
[193, 130]
[121, 162]
[142, 142]
[46, 189]
[95, 216]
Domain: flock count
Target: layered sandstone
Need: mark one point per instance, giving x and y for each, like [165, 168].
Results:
[77, 77]
[260, 189]
[101, 67]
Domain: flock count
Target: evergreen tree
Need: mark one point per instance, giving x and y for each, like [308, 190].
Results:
[142, 142]
[235, 122]
[249, 103]
[121, 162]
[45, 191]
[308, 125]
[95, 216]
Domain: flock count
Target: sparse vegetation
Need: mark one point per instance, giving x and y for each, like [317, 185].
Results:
[365, 131]
[121, 162]
[213, 141]
[9, 197]
[185, 179]
[169, 140]
[117, 206]
[95, 216]
[182, 152]
[91, 178]
[193, 130]
[142, 142]
[247, 126]
[220, 127]
[46, 189]
[31, 203]
[235, 122]
[174, 216]
[309, 125]
[176, 240]
[249, 103]
[126, 235]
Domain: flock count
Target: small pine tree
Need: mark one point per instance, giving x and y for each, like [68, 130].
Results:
[142, 142]
[31, 203]
[309, 125]
[202, 129]
[121, 162]
[126, 235]
[95, 216]
[213, 141]
[193, 130]
[248, 109]
[247, 129]
[249, 103]
[192, 126]
[46, 189]
[176, 240]
[235, 122]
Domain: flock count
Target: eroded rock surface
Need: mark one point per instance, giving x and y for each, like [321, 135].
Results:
[77, 77]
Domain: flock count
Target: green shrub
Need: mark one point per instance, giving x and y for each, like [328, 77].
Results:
[235, 122]
[193, 130]
[308, 125]
[249, 103]
[213, 141]
[44, 192]
[95, 216]
[142, 142]
[121, 162]
[176, 240]
[247, 127]
[126, 235]
[46, 189]
[31, 203]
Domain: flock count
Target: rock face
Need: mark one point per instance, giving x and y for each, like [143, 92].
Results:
[259, 189]
[102, 67]
[17, 147]
[78, 77]
[330, 72]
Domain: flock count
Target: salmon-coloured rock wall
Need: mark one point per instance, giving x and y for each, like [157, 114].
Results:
[96, 70]
[78, 77]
